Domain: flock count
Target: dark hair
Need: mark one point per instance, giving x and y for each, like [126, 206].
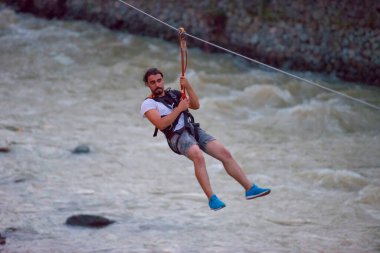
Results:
[151, 71]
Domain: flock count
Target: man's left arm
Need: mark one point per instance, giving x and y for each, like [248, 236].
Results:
[193, 97]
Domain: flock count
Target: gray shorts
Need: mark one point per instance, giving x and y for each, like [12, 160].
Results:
[185, 140]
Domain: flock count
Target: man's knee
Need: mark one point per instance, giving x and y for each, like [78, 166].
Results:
[195, 154]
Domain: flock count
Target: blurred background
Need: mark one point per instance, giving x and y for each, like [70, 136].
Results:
[71, 79]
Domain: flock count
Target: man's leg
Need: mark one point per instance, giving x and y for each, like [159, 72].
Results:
[217, 150]
[195, 154]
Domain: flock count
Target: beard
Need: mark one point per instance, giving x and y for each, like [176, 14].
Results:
[158, 91]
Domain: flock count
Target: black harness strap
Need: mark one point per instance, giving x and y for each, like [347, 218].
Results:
[155, 132]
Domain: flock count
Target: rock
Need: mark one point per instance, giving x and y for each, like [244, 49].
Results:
[10, 229]
[13, 128]
[19, 180]
[81, 149]
[86, 220]
[4, 149]
[2, 239]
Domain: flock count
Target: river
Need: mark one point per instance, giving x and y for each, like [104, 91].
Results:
[66, 83]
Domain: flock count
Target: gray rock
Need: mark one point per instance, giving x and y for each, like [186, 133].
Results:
[86, 220]
[81, 149]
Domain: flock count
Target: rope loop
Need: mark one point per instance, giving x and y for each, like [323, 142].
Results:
[183, 50]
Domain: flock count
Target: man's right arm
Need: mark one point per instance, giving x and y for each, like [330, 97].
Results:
[163, 122]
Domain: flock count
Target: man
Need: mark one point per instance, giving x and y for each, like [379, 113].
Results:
[168, 112]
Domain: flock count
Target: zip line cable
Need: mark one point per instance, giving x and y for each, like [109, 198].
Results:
[258, 62]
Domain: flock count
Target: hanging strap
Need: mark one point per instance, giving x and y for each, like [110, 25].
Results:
[183, 50]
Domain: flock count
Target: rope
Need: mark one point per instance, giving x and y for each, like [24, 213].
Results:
[183, 49]
[182, 44]
[258, 62]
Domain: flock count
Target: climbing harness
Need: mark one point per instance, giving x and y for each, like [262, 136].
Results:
[171, 100]
[183, 50]
[258, 62]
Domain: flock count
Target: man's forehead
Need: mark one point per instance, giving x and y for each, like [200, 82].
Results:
[154, 77]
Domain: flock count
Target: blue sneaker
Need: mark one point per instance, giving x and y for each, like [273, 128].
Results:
[256, 192]
[215, 203]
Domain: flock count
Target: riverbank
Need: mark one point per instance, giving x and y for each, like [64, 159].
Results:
[333, 37]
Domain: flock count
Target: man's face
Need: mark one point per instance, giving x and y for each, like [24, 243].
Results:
[156, 84]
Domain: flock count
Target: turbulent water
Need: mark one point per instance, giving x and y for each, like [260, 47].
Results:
[65, 83]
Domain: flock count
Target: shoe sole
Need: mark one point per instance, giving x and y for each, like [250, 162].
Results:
[216, 209]
[259, 195]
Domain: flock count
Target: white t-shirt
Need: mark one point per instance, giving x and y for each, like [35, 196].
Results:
[151, 104]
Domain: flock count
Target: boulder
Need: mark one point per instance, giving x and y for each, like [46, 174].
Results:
[4, 149]
[86, 220]
[2, 239]
[81, 149]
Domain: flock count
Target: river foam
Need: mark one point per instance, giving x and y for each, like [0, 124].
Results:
[66, 83]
